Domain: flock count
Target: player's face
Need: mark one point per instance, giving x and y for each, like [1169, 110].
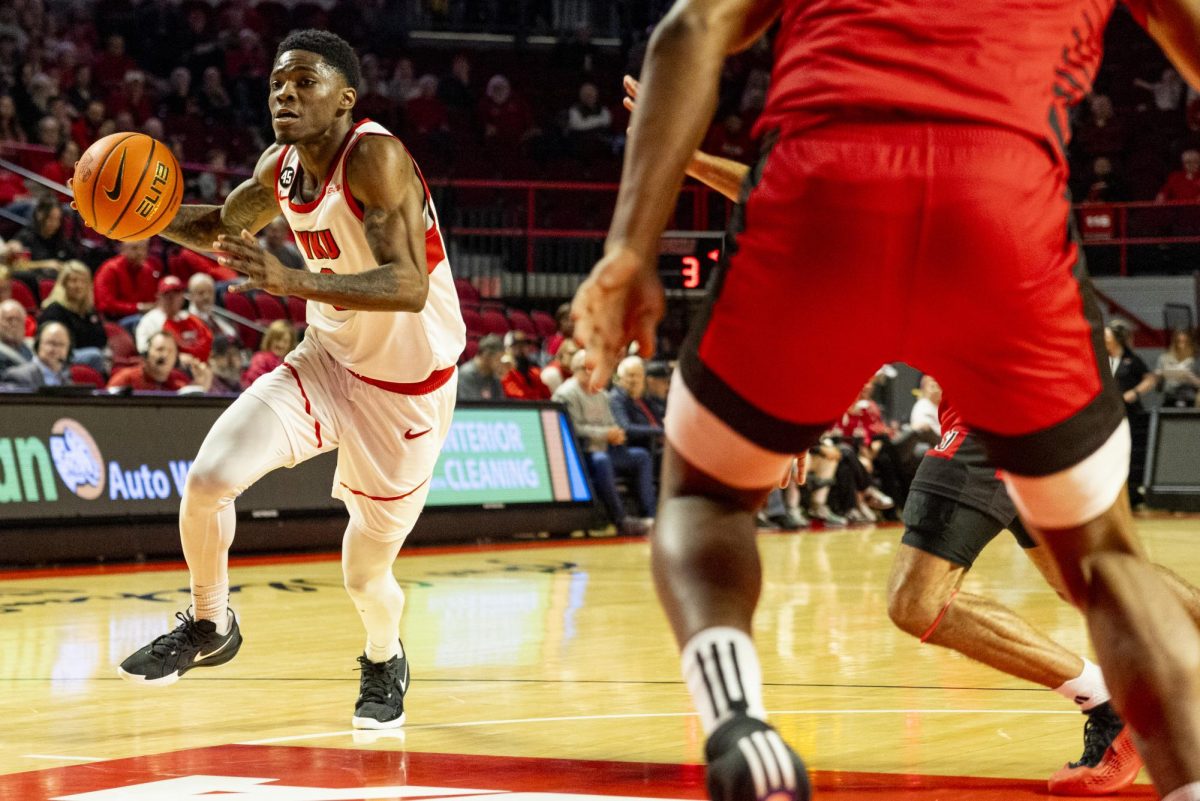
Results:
[307, 95]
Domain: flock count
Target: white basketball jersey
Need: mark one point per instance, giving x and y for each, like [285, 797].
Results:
[391, 347]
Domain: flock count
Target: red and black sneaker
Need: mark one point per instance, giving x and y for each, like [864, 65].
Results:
[1109, 763]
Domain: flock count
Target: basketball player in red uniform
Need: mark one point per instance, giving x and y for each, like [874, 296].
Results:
[374, 376]
[918, 145]
[957, 505]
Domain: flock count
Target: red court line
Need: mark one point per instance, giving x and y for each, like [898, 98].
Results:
[293, 558]
[344, 768]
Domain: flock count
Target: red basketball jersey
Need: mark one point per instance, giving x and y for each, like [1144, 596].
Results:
[1014, 63]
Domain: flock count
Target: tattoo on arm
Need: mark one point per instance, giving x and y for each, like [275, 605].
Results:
[195, 226]
[250, 206]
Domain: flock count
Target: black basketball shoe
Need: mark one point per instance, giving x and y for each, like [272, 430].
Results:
[381, 690]
[193, 643]
[749, 761]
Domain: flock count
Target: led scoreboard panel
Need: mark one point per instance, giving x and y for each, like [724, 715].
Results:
[686, 260]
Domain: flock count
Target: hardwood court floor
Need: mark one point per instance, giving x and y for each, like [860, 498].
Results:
[522, 655]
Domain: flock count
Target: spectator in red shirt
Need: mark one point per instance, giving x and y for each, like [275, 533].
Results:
[63, 166]
[168, 315]
[279, 341]
[110, 66]
[566, 329]
[157, 371]
[127, 284]
[524, 380]
[86, 128]
[1103, 133]
[184, 263]
[49, 134]
[1183, 184]
[133, 98]
[506, 118]
[426, 113]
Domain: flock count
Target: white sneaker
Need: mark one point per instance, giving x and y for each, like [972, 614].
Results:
[877, 500]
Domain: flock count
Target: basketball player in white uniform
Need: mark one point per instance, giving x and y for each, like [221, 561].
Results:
[375, 376]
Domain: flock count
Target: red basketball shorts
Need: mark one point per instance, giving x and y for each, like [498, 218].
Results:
[944, 246]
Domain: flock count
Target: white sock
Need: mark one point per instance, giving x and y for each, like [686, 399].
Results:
[1188, 792]
[382, 653]
[721, 669]
[1088, 689]
[212, 603]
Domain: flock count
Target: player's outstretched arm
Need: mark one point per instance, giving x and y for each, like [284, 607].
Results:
[622, 299]
[1175, 25]
[249, 207]
[719, 173]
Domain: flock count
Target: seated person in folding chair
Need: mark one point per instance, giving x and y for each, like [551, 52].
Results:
[604, 442]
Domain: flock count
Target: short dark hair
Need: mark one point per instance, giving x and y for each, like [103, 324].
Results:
[491, 344]
[658, 370]
[335, 50]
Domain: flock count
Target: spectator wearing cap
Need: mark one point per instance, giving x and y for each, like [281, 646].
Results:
[524, 380]
[168, 315]
[479, 379]
[127, 284]
[658, 381]
[227, 362]
[607, 452]
[13, 350]
[643, 428]
[158, 373]
[202, 299]
[48, 367]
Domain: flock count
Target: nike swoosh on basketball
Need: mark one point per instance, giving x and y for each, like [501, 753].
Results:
[202, 657]
[410, 435]
[115, 192]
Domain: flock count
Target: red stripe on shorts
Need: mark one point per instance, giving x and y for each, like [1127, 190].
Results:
[307, 405]
[378, 498]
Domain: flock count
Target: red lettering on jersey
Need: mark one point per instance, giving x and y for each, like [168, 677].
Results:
[319, 244]
[329, 244]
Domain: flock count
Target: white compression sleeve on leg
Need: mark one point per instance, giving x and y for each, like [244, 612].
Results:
[1079, 494]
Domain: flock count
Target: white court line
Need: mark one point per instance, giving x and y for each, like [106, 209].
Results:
[61, 758]
[627, 716]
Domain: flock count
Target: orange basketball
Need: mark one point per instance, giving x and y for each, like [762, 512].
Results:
[127, 186]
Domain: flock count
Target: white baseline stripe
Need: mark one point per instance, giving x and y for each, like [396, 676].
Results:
[60, 757]
[632, 715]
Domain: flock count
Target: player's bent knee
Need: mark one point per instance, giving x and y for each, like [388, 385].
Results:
[914, 612]
[209, 485]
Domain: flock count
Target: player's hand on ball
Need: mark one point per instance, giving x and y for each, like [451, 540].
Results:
[243, 254]
[620, 302]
